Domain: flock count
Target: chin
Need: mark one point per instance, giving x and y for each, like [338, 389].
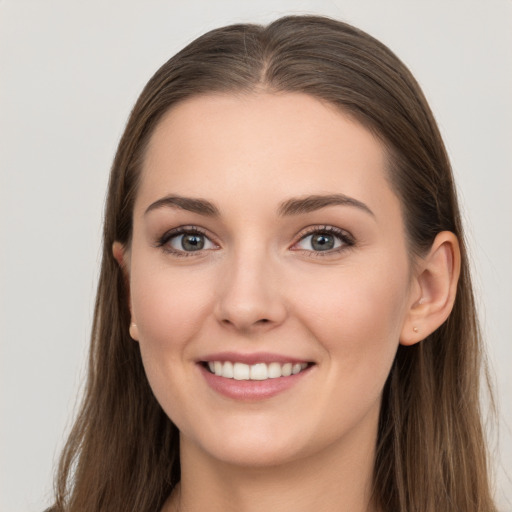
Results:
[255, 455]
[257, 447]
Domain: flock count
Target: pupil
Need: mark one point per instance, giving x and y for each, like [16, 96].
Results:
[192, 242]
[322, 242]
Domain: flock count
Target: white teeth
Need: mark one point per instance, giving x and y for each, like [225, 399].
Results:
[286, 370]
[258, 371]
[227, 370]
[274, 370]
[296, 368]
[241, 371]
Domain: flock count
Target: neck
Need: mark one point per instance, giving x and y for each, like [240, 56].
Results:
[337, 479]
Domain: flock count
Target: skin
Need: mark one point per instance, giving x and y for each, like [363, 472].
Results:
[260, 286]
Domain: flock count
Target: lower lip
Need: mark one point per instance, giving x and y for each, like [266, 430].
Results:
[251, 389]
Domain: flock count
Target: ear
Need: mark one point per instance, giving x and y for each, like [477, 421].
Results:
[433, 290]
[121, 256]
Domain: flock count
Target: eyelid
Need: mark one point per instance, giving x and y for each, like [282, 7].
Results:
[347, 240]
[163, 241]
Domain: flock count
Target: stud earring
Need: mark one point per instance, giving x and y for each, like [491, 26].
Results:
[415, 329]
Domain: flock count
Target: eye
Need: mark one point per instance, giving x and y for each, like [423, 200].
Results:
[180, 241]
[319, 242]
[324, 240]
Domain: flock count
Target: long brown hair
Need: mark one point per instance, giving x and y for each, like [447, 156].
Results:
[122, 453]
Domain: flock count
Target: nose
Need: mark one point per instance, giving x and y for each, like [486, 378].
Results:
[250, 295]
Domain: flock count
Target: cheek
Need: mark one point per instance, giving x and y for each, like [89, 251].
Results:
[358, 319]
[168, 306]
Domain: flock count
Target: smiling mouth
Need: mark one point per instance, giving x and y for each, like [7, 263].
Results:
[258, 371]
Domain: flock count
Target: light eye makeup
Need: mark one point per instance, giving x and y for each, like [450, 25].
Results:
[324, 241]
[317, 241]
[186, 241]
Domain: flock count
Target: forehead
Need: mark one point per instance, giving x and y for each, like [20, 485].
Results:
[262, 145]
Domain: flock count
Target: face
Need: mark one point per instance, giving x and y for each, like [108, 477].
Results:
[269, 276]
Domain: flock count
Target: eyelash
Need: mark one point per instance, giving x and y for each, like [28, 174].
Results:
[345, 237]
[164, 240]
[347, 240]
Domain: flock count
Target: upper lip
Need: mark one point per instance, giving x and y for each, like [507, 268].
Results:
[252, 358]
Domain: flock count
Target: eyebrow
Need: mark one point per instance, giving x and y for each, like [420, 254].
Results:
[293, 206]
[307, 204]
[200, 206]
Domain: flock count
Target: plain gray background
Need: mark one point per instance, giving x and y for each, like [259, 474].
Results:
[70, 72]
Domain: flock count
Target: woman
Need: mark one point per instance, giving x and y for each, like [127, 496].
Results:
[284, 317]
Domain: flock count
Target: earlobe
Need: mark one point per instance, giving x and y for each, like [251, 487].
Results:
[435, 289]
[134, 331]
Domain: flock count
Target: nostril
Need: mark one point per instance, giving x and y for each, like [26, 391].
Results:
[262, 323]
